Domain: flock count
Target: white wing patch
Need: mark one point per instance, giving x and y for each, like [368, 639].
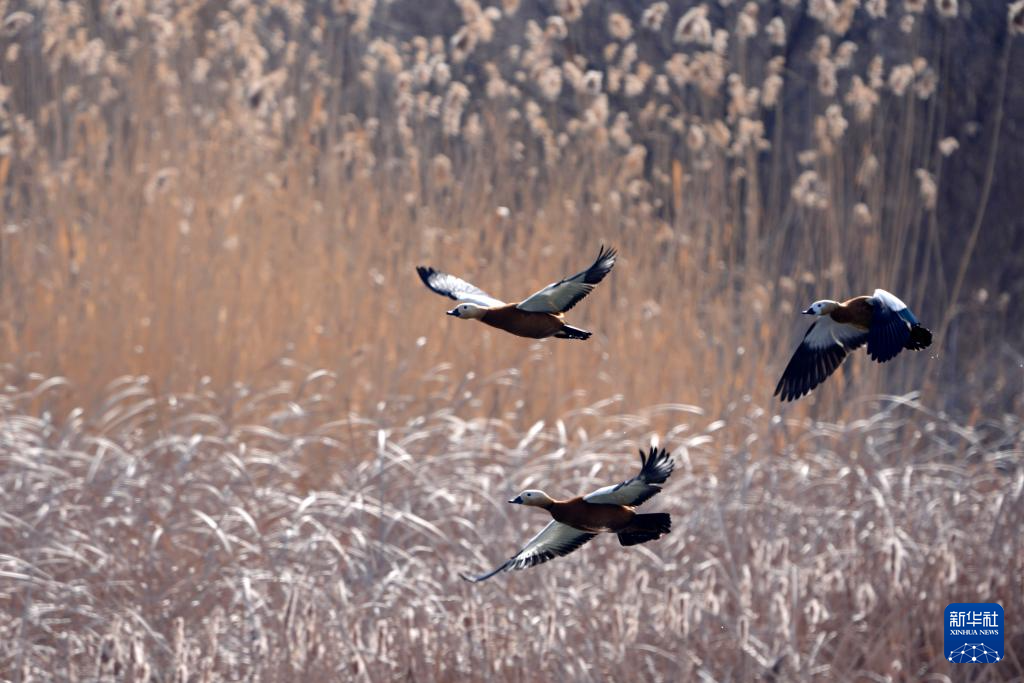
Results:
[554, 540]
[822, 350]
[655, 469]
[602, 495]
[621, 494]
[555, 297]
[891, 326]
[456, 288]
[557, 538]
[889, 300]
[559, 297]
[827, 332]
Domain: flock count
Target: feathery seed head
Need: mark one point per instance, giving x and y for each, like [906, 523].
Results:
[877, 9]
[1015, 18]
[928, 187]
[862, 215]
[947, 8]
[862, 98]
[619, 26]
[776, 30]
[654, 16]
[694, 27]
[572, 10]
[900, 79]
[746, 22]
[867, 171]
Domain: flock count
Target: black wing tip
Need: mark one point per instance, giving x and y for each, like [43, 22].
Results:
[425, 273]
[602, 265]
[484, 577]
[789, 390]
[783, 396]
[808, 369]
[656, 466]
[793, 396]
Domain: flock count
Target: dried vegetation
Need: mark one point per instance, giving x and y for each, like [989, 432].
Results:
[253, 535]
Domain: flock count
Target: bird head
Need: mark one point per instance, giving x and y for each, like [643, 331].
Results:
[821, 307]
[533, 497]
[468, 311]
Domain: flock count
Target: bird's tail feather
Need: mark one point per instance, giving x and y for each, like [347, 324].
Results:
[646, 528]
[920, 338]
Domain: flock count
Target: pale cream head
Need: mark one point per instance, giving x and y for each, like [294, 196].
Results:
[533, 497]
[822, 307]
[468, 311]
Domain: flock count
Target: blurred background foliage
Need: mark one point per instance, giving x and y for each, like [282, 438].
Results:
[240, 440]
[195, 190]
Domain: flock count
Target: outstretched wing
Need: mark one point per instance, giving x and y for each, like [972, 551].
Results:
[891, 322]
[823, 349]
[554, 540]
[655, 469]
[560, 296]
[455, 288]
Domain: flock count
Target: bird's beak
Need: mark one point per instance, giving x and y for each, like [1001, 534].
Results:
[518, 500]
[454, 312]
[808, 312]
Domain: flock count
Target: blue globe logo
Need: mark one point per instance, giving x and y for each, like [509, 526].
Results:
[974, 653]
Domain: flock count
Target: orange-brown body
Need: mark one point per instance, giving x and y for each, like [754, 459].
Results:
[592, 517]
[524, 323]
[856, 311]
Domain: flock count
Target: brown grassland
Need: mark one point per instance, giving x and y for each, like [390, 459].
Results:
[240, 441]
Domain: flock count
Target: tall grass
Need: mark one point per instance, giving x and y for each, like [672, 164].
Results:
[168, 537]
[239, 439]
[195, 193]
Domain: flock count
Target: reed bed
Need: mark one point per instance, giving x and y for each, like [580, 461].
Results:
[197, 191]
[255, 536]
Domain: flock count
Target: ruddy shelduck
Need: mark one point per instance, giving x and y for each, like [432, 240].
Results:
[610, 509]
[881, 320]
[539, 315]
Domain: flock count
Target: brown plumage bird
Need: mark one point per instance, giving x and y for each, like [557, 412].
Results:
[881, 320]
[610, 509]
[540, 315]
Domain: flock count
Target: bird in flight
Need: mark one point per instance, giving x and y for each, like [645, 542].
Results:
[610, 509]
[540, 315]
[881, 320]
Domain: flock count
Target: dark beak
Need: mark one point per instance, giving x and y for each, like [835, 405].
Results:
[518, 500]
[808, 312]
[453, 312]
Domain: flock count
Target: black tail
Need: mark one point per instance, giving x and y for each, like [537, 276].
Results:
[646, 528]
[570, 332]
[920, 338]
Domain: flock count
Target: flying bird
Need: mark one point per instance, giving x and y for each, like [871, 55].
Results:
[540, 315]
[610, 509]
[881, 320]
